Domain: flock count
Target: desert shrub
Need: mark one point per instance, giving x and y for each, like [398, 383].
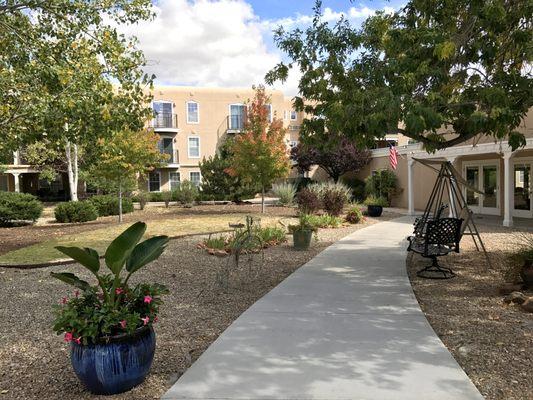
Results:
[325, 221]
[333, 201]
[271, 235]
[76, 211]
[302, 183]
[187, 193]
[262, 237]
[354, 215]
[376, 201]
[166, 197]
[308, 201]
[107, 204]
[19, 207]
[143, 198]
[217, 242]
[320, 189]
[285, 192]
[382, 183]
[521, 257]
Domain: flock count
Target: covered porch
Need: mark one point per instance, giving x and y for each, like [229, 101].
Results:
[504, 176]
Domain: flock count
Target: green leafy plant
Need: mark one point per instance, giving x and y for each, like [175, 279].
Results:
[383, 183]
[75, 211]
[376, 201]
[107, 204]
[285, 192]
[19, 207]
[143, 197]
[111, 307]
[308, 201]
[187, 193]
[167, 197]
[520, 258]
[354, 215]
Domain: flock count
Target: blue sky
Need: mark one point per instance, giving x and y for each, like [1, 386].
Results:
[228, 43]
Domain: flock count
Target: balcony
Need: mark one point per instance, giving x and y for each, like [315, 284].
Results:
[165, 122]
[235, 123]
[173, 159]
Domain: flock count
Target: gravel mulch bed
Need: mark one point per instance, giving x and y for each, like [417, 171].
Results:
[34, 363]
[492, 341]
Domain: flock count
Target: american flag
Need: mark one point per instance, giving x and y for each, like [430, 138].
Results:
[393, 157]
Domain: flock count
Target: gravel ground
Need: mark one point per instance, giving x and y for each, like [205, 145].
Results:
[34, 363]
[492, 341]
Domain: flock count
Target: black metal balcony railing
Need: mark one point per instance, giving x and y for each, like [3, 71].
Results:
[165, 120]
[235, 122]
[173, 156]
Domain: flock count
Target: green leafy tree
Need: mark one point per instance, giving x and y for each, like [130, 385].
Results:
[217, 183]
[441, 73]
[122, 157]
[260, 154]
[67, 76]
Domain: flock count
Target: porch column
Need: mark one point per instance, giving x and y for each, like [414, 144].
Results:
[507, 189]
[17, 181]
[451, 205]
[410, 188]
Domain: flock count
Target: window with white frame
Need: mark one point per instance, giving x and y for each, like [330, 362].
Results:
[193, 112]
[237, 116]
[194, 147]
[154, 182]
[195, 177]
[294, 115]
[175, 179]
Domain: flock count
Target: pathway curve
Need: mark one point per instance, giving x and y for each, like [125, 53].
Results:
[344, 326]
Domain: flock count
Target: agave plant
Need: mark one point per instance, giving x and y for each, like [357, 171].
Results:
[111, 307]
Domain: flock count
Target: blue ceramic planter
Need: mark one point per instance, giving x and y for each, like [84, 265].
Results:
[117, 365]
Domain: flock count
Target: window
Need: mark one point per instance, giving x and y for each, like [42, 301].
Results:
[166, 147]
[195, 177]
[175, 179]
[294, 128]
[3, 183]
[294, 115]
[237, 113]
[154, 182]
[163, 117]
[193, 112]
[268, 107]
[194, 147]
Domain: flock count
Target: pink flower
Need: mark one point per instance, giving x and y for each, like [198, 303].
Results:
[77, 340]
[119, 290]
[64, 300]
[123, 324]
[145, 320]
[148, 299]
[155, 319]
[68, 337]
[77, 293]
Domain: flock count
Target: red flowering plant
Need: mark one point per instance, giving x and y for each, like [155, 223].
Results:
[111, 307]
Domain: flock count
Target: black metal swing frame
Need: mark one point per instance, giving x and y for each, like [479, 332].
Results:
[435, 236]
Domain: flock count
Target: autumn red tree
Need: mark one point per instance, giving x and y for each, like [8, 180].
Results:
[260, 154]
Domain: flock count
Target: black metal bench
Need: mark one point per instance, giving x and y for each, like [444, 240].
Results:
[441, 237]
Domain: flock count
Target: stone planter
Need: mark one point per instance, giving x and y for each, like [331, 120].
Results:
[116, 365]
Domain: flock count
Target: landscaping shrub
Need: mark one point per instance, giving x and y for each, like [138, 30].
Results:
[354, 215]
[382, 183]
[76, 211]
[187, 193]
[156, 196]
[308, 201]
[285, 192]
[357, 186]
[143, 197]
[333, 201]
[167, 197]
[272, 235]
[324, 221]
[107, 204]
[266, 237]
[302, 183]
[217, 243]
[320, 189]
[19, 207]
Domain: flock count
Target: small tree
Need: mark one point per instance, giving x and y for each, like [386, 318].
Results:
[333, 153]
[260, 154]
[122, 158]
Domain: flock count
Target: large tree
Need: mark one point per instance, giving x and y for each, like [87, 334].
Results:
[335, 154]
[67, 76]
[260, 154]
[441, 73]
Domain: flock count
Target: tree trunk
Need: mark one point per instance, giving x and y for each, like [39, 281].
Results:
[71, 151]
[120, 201]
[262, 199]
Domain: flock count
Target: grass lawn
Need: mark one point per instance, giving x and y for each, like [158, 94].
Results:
[175, 225]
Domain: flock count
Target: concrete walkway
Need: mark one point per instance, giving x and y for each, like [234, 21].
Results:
[344, 326]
